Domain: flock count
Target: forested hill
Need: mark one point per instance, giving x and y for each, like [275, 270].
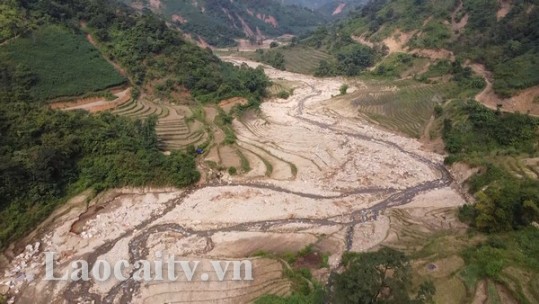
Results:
[218, 23]
[502, 35]
[45, 53]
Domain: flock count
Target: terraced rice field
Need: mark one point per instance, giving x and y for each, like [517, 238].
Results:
[174, 129]
[303, 60]
[406, 109]
[298, 59]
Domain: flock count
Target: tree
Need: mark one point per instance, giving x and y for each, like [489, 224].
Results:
[323, 69]
[378, 277]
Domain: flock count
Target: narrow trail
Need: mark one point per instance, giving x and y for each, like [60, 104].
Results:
[138, 245]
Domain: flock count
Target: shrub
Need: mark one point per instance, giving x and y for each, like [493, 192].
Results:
[343, 89]
[283, 94]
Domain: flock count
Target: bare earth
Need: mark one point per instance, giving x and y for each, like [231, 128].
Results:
[333, 183]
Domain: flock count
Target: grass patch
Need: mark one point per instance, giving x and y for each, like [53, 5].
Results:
[297, 59]
[245, 166]
[395, 65]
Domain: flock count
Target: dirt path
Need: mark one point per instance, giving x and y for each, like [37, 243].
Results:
[524, 102]
[348, 173]
[95, 104]
[458, 25]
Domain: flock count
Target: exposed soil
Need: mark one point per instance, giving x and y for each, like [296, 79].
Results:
[228, 104]
[362, 40]
[339, 9]
[397, 41]
[505, 8]
[458, 24]
[435, 54]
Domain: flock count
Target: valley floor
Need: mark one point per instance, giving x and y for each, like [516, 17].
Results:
[320, 174]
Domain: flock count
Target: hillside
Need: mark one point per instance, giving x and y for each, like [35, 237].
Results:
[503, 36]
[75, 49]
[219, 23]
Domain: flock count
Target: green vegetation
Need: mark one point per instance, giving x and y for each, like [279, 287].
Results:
[47, 155]
[343, 89]
[10, 21]
[182, 64]
[349, 58]
[378, 277]
[456, 261]
[486, 131]
[305, 290]
[508, 47]
[283, 94]
[404, 106]
[504, 201]
[224, 121]
[58, 63]
[162, 58]
[395, 65]
[435, 35]
[516, 74]
[298, 58]
[272, 57]
[313, 298]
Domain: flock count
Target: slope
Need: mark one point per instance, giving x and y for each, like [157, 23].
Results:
[219, 23]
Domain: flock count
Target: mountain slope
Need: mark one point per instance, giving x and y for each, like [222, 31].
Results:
[328, 8]
[499, 40]
[218, 23]
[47, 155]
[502, 35]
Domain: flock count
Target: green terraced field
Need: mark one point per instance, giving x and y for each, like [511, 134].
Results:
[303, 60]
[405, 109]
[173, 129]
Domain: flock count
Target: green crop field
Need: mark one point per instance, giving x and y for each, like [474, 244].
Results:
[402, 107]
[63, 63]
[303, 60]
[298, 59]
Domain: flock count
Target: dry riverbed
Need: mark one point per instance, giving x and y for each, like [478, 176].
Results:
[333, 179]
